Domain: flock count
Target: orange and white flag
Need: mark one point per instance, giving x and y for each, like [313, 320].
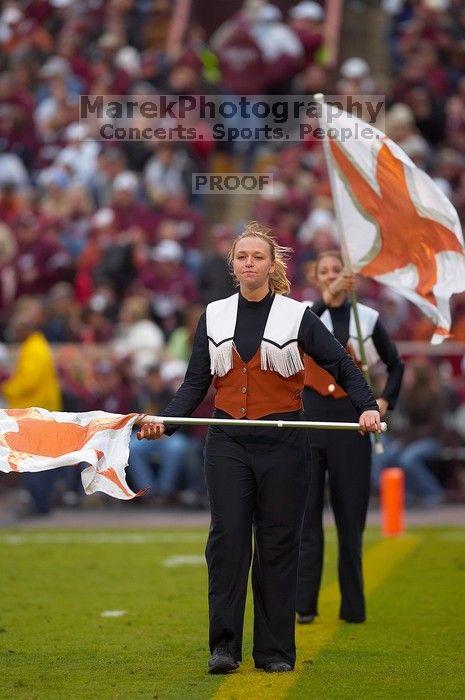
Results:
[33, 440]
[396, 225]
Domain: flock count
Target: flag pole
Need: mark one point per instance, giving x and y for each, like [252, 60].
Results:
[245, 423]
[319, 98]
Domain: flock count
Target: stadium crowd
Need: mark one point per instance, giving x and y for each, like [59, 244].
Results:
[109, 240]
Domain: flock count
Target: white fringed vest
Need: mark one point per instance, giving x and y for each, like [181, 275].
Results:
[279, 351]
[368, 318]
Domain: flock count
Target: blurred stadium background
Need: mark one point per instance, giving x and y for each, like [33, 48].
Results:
[115, 257]
[105, 247]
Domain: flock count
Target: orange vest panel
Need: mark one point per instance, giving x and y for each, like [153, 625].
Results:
[247, 391]
[322, 381]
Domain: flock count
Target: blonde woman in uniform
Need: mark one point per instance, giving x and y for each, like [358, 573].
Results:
[252, 345]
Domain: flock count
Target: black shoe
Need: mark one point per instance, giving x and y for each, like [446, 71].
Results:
[222, 661]
[353, 620]
[304, 619]
[277, 667]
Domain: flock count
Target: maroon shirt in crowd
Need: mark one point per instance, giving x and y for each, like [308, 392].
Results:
[169, 279]
[40, 261]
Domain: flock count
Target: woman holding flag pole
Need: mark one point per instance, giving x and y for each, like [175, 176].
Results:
[397, 227]
[346, 457]
[252, 344]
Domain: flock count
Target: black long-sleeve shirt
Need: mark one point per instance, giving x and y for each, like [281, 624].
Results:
[313, 337]
[386, 349]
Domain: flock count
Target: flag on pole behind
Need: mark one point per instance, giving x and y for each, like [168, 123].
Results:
[396, 225]
[33, 440]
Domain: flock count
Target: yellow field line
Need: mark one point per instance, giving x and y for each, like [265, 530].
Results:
[250, 684]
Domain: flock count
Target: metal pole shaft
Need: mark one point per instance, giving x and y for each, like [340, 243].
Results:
[324, 425]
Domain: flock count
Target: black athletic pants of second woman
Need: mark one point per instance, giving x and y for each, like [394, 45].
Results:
[346, 456]
[257, 482]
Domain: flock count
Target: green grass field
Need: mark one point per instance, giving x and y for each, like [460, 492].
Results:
[56, 645]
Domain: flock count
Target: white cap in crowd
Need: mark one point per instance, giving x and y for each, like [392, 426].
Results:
[167, 251]
[55, 66]
[128, 59]
[355, 68]
[318, 219]
[173, 369]
[75, 132]
[126, 180]
[11, 15]
[307, 9]
[103, 217]
[268, 13]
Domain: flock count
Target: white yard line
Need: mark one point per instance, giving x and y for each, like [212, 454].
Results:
[102, 538]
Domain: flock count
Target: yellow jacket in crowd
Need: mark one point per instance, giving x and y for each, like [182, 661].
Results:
[34, 381]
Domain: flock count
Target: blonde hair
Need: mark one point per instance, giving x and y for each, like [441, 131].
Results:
[312, 267]
[279, 284]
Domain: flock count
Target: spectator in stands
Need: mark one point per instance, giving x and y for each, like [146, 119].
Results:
[8, 279]
[110, 392]
[60, 108]
[138, 341]
[13, 171]
[11, 202]
[103, 233]
[153, 392]
[455, 120]
[285, 203]
[422, 405]
[77, 381]
[401, 127]
[242, 64]
[306, 19]
[62, 322]
[165, 276]
[185, 78]
[73, 231]
[188, 228]
[97, 321]
[110, 163]
[179, 346]
[79, 156]
[355, 78]
[17, 129]
[243, 69]
[167, 172]
[318, 230]
[127, 206]
[107, 77]
[111, 256]
[187, 220]
[394, 310]
[34, 382]
[40, 260]
[54, 201]
[280, 46]
[215, 281]
[20, 34]
[71, 44]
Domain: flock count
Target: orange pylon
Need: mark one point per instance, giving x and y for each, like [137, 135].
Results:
[392, 501]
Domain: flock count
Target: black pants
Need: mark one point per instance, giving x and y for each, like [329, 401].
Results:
[346, 457]
[257, 483]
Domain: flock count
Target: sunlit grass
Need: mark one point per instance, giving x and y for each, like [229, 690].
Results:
[55, 644]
